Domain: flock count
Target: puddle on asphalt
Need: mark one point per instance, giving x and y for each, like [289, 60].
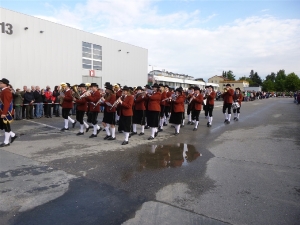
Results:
[167, 156]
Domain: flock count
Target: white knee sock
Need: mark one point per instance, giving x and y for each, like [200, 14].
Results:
[126, 136]
[134, 127]
[190, 118]
[152, 131]
[196, 124]
[107, 130]
[69, 118]
[161, 122]
[225, 115]
[113, 132]
[12, 134]
[238, 116]
[66, 123]
[85, 124]
[81, 128]
[210, 120]
[97, 126]
[143, 129]
[6, 137]
[155, 129]
[95, 129]
[183, 122]
[229, 117]
[177, 127]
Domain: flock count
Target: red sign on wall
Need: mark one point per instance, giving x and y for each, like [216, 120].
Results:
[92, 73]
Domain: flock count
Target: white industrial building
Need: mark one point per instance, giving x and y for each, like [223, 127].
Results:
[39, 52]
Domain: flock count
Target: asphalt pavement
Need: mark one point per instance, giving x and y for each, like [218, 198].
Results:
[245, 172]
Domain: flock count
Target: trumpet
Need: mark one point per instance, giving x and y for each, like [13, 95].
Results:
[101, 100]
[225, 89]
[192, 98]
[85, 94]
[116, 102]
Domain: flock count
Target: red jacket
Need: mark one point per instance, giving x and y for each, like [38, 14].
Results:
[211, 98]
[111, 100]
[6, 98]
[126, 106]
[238, 98]
[119, 94]
[82, 104]
[93, 99]
[228, 96]
[197, 102]
[68, 100]
[168, 103]
[178, 104]
[163, 97]
[139, 102]
[154, 102]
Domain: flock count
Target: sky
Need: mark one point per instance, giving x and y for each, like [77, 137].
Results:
[197, 38]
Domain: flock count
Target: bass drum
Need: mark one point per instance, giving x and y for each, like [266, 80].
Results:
[9, 116]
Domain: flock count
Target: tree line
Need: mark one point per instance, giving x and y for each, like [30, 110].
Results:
[279, 82]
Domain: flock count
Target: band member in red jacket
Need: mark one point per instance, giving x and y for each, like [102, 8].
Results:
[153, 110]
[197, 101]
[189, 99]
[210, 101]
[109, 120]
[126, 113]
[227, 104]
[162, 106]
[167, 106]
[139, 111]
[238, 97]
[6, 107]
[93, 97]
[118, 92]
[67, 105]
[177, 109]
[81, 108]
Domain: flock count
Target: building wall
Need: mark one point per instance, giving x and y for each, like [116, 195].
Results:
[29, 57]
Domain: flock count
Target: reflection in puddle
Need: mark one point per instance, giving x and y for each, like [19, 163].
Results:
[165, 156]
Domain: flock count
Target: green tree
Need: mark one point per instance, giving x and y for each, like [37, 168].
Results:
[229, 75]
[271, 77]
[268, 85]
[292, 82]
[280, 80]
[247, 79]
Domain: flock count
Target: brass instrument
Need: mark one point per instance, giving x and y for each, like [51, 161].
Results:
[192, 98]
[174, 97]
[149, 92]
[225, 89]
[75, 92]
[62, 92]
[116, 102]
[88, 85]
[85, 94]
[101, 100]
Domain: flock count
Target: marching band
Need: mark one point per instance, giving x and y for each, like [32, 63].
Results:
[149, 107]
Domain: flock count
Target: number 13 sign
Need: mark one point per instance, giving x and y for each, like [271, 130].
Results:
[6, 28]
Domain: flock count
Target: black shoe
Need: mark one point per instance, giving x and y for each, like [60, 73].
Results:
[111, 138]
[182, 125]
[63, 129]
[73, 124]
[165, 124]
[225, 121]
[4, 145]
[93, 135]
[79, 133]
[192, 123]
[50, 116]
[99, 130]
[87, 129]
[189, 123]
[140, 134]
[234, 118]
[124, 142]
[160, 130]
[147, 127]
[209, 125]
[155, 134]
[133, 133]
[12, 139]
[173, 126]
[176, 133]
[107, 137]
[150, 138]
[195, 129]
[237, 119]
[120, 131]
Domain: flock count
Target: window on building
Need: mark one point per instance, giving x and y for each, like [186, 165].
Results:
[91, 56]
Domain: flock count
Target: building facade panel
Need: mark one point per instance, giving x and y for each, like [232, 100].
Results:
[47, 53]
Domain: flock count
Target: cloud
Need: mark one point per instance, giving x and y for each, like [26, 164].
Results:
[177, 42]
